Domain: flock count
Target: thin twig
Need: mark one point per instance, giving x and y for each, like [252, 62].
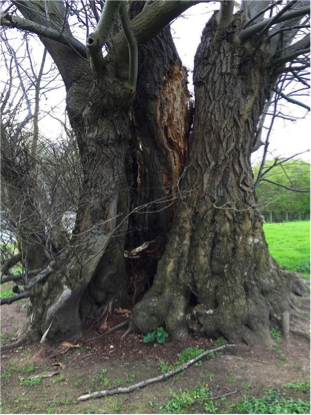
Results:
[152, 380]
[225, 394]
[114, 328]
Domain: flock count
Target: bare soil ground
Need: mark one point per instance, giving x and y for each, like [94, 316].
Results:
[107, 362]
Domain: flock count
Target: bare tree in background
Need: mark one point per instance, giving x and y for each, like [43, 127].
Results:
[149, 176]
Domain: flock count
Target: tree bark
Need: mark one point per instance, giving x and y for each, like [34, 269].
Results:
[217, 276]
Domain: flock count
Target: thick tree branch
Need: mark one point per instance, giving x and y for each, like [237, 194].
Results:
[41, 276]
[286, 29]
[19, 277]
[44, 31]
[291, 100]
[99, 37]
[260, 13]
[154, 17]
[290, 53]
[132, 45]
[15, 259]
[250, 31]
[275, 19]
[285, 187]
[10, 300]
[258, 141]
[225, 14]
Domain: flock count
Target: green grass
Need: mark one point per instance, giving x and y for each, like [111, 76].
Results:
[6, 293]
[273, 402]
[289, 244]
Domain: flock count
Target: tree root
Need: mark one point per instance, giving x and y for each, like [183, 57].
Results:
[128, 331]
[299, 306]
[114, 328]
[13, 345]
[144, 383]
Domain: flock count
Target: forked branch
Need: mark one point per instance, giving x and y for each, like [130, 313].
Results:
[30, 26]
[99, 37]
[256, 28]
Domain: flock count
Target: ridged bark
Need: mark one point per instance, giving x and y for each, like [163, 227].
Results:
[217, 276]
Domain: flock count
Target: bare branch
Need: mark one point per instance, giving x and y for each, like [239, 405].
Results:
[19, 277]
[15, 259]
[41, 276]
[258, 142]
[290, 53]
[10, 300]
[286, 29]
[29, 26]
[285, 187]
[263, 11]
[250, 31]
[275, 19]
[291, 100]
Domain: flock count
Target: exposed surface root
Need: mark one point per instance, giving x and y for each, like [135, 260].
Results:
[299, 305]
[12, 346]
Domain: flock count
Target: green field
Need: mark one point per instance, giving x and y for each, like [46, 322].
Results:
[289, 244]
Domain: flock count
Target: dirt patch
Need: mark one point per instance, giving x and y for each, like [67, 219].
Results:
[108, 362]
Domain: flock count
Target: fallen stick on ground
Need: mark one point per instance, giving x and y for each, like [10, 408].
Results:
[114, 328]
[144, 383]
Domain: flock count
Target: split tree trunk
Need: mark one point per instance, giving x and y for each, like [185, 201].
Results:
[217, 276]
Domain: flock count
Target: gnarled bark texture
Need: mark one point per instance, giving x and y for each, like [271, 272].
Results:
[217, 276]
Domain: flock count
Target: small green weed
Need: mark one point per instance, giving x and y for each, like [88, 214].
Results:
[275, 334]
[101, 380]
[182, 400]
[189, 354]
[78, 383]
[271, 403]
[303, 386]
[296, 366]
[131, 378]
[231, 379]
[159, 335]
[117, 408]
[30, 382]
[57, 379]
[68, 401]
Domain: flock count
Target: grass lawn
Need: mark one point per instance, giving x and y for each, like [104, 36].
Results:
[289, 244]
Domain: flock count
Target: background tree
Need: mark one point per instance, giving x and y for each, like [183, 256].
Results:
[193, 188]
[283, 193]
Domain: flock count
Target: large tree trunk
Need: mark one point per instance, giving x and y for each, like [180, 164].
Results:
[217, 276]
[99, 115]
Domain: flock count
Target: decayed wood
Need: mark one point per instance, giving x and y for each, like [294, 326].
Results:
[144, 383]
